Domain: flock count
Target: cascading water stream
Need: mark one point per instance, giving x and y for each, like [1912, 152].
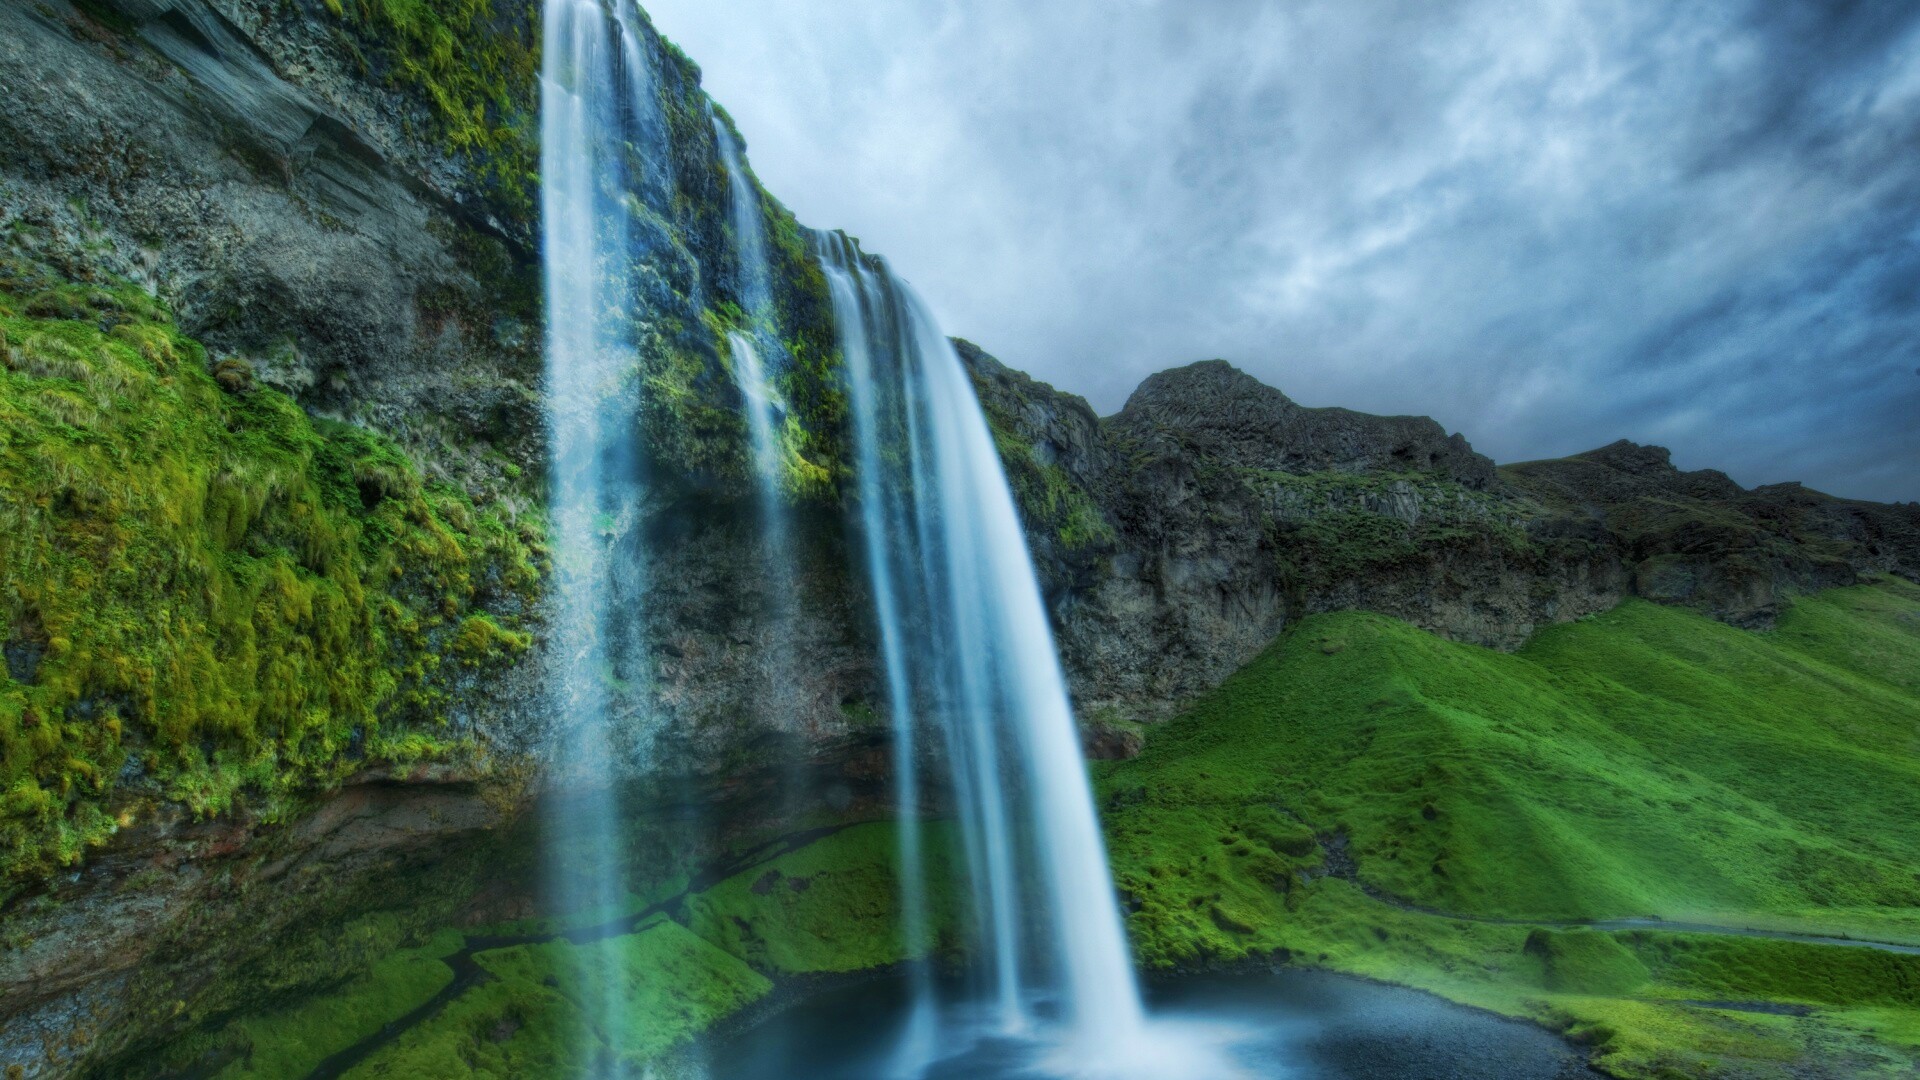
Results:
[597, 102]
[973, 680]
[754, 290]
[970, 656]
[748, 349]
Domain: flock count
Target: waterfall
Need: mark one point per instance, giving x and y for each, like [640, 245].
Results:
[973, 681]
[755, 295]
[597, 99]
[765, 416]
[970, 661]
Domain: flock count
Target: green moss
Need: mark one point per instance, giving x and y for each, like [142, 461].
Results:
[481, 641]
[1049, 500]
[208, 595]
[531, 1018]
[475, 62]
[292, 1042]
[1350, 543]
[830, 906]
[1789, 971]
[1331, 526]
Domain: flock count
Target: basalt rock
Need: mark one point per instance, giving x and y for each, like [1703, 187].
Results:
[1214, 410]
[1701, 540]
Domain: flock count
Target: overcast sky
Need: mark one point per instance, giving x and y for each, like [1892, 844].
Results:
[1547, 224]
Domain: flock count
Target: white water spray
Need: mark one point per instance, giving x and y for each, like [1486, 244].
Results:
[970, 656]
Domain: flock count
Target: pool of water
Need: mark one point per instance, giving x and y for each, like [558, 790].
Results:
[1307, 1025]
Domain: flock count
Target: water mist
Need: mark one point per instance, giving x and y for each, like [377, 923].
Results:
[751, 349]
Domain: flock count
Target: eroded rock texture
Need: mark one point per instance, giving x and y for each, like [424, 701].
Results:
[1218, 510]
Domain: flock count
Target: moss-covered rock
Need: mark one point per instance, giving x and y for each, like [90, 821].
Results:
[206, 595]
[476, 63]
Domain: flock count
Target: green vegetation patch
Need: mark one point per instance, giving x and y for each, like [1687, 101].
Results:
[532, 1018]
[204, 593]
[1643, 762]
[832, 906]
[1586, 962]
[1334, 526]
[292, 1042]
[1372, 798]
[476, 63]
[829, 906]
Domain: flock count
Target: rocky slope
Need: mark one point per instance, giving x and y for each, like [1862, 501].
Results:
[1212, 510]
[314, 219]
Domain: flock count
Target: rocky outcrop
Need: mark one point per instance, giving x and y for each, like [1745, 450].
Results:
[231, 158]
[1222, 510]
[1229, 510]
[332, 222]
[172, 911]
[282, 178]
[1215, 410]
[1701, 540]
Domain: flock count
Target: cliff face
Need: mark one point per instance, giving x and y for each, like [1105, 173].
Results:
[1212, 510]
[335, 200]
[1701, 540]
[273, 499]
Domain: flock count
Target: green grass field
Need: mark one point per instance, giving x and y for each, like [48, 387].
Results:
[1370, 797]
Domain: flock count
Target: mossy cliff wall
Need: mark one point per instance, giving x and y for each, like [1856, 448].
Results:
[271, 499]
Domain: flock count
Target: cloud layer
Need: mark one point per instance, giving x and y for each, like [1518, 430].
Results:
[1549, 225]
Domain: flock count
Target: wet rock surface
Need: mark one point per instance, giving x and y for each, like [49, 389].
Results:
[96, 963]
[228, 157]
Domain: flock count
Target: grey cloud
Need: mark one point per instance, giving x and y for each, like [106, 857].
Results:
[1548, 225]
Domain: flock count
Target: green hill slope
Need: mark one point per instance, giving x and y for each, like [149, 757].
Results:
[1362, 778]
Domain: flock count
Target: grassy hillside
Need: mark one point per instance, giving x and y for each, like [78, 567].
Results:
[1362, 779]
